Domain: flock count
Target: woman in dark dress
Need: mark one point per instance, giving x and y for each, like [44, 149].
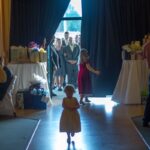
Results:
[60, 70]
[4, 85]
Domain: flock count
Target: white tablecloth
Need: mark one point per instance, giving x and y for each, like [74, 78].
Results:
[133, 79]
[24, 73]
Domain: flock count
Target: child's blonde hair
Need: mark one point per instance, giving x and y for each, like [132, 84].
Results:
[69, 87]
[84, 57]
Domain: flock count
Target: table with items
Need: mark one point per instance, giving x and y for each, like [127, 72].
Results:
[26, 73]
[132, 82]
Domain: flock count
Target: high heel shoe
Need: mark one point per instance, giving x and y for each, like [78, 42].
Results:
[82, 103]
[87, 100]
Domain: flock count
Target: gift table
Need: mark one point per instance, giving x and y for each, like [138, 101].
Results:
[132, 80]
[24, 73]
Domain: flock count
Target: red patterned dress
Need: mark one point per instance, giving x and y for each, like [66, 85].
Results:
[84, 80]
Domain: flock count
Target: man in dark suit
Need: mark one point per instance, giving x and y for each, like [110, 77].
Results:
[71, 53]
[49, 45]
[65, 40]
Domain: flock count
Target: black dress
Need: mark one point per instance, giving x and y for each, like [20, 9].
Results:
[4, 86]
[146, 118]
[61, 71]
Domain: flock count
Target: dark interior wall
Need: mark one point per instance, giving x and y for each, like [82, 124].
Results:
[33, 20]
[106, 26]
[25, 19]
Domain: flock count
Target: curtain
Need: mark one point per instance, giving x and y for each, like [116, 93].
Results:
[106, 26]
[33, 20]
[5, 6]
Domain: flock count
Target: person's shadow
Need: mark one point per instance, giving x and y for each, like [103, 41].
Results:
[73, 146]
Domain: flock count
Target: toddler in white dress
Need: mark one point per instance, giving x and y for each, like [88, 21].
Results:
[70, 118]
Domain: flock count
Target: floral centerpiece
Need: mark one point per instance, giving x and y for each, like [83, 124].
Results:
[133, 47]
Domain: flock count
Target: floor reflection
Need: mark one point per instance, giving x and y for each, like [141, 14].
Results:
[104, 126]
[106, 102]
[79, 140]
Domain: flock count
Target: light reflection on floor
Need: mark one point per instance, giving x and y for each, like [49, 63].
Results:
[76, 144]
[105, 101]
[79, 139]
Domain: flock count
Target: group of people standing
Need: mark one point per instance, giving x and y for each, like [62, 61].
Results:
[64, 54]
[71, 65]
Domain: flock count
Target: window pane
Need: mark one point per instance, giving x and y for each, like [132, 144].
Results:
[74, 9]
[69, 25]
[73, 26]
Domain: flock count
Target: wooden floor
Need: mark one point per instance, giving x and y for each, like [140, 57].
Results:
[105, 126]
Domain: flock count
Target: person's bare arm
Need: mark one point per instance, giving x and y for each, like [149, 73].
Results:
[90, 68]
[76, 106]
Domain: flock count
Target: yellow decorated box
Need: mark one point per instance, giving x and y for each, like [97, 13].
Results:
[42, 55]
[18, 54]
[34, 55]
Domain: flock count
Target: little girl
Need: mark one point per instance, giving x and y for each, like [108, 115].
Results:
[70, 119]
[84, 80]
